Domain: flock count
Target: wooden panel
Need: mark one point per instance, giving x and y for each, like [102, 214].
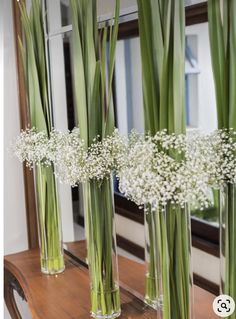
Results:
[30, 202]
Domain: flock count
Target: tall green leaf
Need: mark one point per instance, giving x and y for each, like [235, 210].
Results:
[161, 27]
[93, 87]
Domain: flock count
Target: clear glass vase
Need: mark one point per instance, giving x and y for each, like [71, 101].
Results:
[171, 226]
[101, 246]
[228, 241]
[49, 221]
[150, 260]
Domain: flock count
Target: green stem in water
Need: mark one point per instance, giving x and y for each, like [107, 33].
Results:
[101, 244]
[228, 241]
[49, 221]
[172, 253]
[150, 277]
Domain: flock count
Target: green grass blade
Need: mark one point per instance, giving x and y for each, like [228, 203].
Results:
[217, 57]
[110, 117]
[79, 75]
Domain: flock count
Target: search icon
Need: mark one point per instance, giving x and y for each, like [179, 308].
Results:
[224, 306]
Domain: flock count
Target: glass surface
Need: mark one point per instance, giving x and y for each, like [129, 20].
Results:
[200, 100]
[101, 246]
[200, 112]
[228, 241]
[200, 93]
[65, 12]
[128, 86]
[173, 261]
[58, 15]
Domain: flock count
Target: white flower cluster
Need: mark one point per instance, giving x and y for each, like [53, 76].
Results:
[68, 154]
[73, 163]
[157, 172]
[215, 156]
[31, 147]
[151, 170]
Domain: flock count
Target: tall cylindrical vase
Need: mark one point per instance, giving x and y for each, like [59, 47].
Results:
[101, 246]
[174, 280]
[228, 241]
[150, 260]
[49, 221]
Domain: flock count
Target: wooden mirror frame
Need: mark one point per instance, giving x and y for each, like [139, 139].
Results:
[204, 236]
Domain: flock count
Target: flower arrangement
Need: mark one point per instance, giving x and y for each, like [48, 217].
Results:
[73, 162]
[215, 154]
[151, 169]
[159, 170]
[92, 166]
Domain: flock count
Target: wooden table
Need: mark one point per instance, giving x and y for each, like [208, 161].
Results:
[66, 296]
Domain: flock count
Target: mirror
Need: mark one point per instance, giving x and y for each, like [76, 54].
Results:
[200, 114]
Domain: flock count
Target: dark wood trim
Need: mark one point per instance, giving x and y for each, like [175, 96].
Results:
[9, 287]
[128, 29]
[130, 247]
[30, 201]
[193, 14]
[196, 13]
[128, 209]
[206, 246]
[206, 284]
[204, 230]
[80, 220]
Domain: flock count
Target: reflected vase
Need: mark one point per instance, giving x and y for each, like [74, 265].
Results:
[49, 221]
[228, 241]
[150, 260]
[171, 232]
[101, 248]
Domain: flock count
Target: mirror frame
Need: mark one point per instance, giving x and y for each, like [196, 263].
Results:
[204, 236]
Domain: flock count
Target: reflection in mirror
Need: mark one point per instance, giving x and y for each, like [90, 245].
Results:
[65, 12]
[199, 84]
[200, 95]
[199, 88]
[128, 86]
[200, 114]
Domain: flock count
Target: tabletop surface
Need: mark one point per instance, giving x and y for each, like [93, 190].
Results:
[67, 295]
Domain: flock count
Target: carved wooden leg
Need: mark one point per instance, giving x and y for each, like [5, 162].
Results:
[11, 284]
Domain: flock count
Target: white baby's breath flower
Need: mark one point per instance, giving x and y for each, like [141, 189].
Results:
[157, 171]
[31, 147]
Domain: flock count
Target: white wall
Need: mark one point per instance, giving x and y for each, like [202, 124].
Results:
[15, 231]
[15, 235]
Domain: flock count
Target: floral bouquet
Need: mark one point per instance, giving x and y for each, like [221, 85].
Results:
[159, 173]
[76, 164]
[215, 154]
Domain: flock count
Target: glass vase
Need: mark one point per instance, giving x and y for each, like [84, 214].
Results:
[150, 260]
[49, 221]
[101, 246]
[228, 241]
[174, 281]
